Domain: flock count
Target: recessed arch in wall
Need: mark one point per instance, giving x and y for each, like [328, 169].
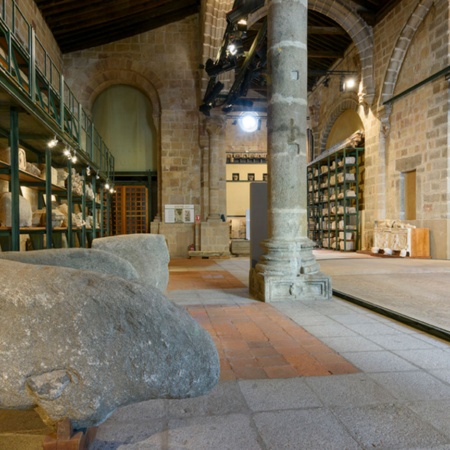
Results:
[123, 115]
[351, 118]
[346, 124]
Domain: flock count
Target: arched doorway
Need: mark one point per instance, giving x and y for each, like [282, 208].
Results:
[124, 117]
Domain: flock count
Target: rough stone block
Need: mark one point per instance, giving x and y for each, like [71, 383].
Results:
[148, 254]
[78, 344]
[77, 258]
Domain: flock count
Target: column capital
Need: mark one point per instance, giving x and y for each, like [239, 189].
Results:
[215, 125]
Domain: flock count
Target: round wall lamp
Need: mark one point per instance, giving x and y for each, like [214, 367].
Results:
[249, 122]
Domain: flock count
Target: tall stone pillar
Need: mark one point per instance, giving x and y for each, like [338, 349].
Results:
[288, 269]
[215, 128]
[214, 233]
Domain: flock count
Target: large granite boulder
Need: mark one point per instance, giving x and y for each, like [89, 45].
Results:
[147, 252]
[78, 344]
[77, 258]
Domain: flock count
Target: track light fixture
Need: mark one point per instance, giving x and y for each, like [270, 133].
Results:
[52, 142]
[348, 79]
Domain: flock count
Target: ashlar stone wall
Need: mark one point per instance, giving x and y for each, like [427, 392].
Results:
[33, 16]
[418, 137]
[163, 64]
[409, 46]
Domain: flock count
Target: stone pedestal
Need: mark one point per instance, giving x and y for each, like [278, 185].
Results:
[214, 240]
[288, 269]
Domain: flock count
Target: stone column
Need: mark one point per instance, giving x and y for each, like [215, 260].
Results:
[288, 269]
[215, 128]
[214, 233]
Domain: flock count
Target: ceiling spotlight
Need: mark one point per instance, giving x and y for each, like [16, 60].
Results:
[88, 171]
[67, 153]
[232, 49]
[74, 157]
[107, 185]
[249, 122]
[52, 142]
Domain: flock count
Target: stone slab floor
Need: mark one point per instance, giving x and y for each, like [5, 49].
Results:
[304, 375]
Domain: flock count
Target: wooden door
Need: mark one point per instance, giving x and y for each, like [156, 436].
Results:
[130, 210]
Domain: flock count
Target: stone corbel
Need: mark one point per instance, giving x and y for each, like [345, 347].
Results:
[366, 100]
[384, 114]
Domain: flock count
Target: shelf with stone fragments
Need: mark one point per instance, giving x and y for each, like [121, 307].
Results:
[334, 198]
[27, 179]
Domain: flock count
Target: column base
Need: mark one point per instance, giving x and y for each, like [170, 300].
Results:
[276, 288]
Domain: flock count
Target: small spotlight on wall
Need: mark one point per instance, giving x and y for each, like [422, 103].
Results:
[67, 153]
[52, 142]
[348, 83]
[249, 122]
[107, 185]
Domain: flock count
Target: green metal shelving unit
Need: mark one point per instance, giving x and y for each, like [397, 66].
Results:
[334, 199]
[37, 104]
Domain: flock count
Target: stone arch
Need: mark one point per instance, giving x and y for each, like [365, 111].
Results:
[345, 104]
[110, 71]
[358, 30]
[360, 33]
[401, 48]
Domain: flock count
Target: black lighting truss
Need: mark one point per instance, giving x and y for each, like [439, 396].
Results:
[250, 66]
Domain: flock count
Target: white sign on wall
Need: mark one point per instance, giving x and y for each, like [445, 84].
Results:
[179, 213]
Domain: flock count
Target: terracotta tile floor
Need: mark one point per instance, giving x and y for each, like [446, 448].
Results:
[254, 341]
[200, 274]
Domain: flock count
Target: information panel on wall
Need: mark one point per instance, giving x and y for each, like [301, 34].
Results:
[179, 213]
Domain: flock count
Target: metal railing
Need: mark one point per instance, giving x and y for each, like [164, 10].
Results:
[27, 64]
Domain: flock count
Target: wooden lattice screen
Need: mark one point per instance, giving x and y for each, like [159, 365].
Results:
[130, 210]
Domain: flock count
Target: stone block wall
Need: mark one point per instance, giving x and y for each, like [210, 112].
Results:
[418, 139]
[179, 236]
[34, 17]
[409, 45]
[238, 141]
[162, 63]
